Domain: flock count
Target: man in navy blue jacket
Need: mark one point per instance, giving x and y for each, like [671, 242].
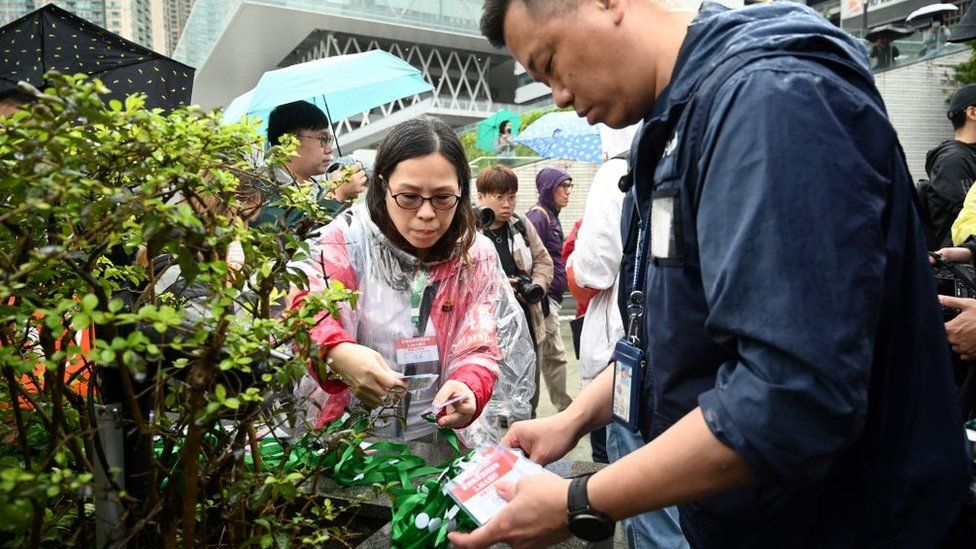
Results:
[797, 389]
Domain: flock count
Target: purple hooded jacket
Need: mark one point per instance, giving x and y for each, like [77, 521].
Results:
[549, 228]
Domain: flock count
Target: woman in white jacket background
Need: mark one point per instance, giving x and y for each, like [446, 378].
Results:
[595, 265]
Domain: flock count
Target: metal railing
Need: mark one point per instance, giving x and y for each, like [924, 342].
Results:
[483, 162]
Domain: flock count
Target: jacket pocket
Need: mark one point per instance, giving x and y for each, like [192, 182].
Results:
[667, 227]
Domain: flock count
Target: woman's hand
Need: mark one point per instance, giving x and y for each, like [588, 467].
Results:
[366, 373]
[459, 414]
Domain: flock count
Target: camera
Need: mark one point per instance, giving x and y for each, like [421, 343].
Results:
[953, 279]
[483, 216]
[530, 291]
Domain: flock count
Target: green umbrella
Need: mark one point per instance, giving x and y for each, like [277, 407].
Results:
[488, 129]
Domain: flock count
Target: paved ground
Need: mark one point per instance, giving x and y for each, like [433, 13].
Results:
[582, 451]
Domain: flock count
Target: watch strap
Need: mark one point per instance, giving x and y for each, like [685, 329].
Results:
[577, 500]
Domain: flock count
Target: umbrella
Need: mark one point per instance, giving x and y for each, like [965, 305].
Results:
[566, 135]
[489, 127]
[342, 86]
[925, 13]
[563, 135]
[966, 29]
[51, 38]
[892, 32]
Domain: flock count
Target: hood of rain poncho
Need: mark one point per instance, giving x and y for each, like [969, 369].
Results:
[546, 182]
[475, 316]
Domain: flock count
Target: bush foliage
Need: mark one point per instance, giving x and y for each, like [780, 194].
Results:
[88, 189]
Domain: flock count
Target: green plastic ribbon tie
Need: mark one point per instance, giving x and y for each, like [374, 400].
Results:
[423, 513]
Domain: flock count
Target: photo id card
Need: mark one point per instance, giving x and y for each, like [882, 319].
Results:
[628, 374]
[417, 350]
[419, 362]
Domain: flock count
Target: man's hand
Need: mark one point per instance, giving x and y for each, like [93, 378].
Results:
[543, 440]
[459, 414]
[956, 255]
[962, 329]
[534, 517]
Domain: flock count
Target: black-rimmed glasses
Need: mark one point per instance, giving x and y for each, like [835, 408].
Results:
[414, 201]
[324, 140]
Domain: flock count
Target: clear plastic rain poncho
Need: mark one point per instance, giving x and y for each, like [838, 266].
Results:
[465, 304]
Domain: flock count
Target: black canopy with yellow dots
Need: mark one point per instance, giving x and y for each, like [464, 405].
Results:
[51, 38]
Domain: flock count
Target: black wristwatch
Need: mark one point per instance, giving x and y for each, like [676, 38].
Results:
[585, 522]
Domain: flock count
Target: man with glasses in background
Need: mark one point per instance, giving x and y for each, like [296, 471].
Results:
[312, 158]
[524, 257]
[555, 186]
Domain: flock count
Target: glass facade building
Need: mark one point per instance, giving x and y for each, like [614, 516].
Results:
[209, 19]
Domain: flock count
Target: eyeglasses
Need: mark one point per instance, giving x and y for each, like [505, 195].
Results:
[503, 198]
[324, 141]
[414, 201]
[566, 185]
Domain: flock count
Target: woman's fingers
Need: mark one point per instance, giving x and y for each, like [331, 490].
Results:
[458, 413]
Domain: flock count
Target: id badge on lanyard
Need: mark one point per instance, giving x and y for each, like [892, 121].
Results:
[628, 376]
[629, 362]
[418, 355]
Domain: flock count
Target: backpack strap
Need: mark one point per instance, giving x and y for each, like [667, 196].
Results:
[520, 227]
[543, 210]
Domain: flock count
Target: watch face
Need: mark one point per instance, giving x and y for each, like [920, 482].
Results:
[590, 527]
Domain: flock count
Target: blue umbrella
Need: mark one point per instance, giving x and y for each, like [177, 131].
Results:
[342, 86]
[563, 135]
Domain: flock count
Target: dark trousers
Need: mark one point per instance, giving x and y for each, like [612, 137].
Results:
[598, 442]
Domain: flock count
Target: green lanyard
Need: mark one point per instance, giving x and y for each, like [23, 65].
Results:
[417, 288]
[423, 514]
[422, 292]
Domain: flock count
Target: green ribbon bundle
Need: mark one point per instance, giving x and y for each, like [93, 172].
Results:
[423, 514]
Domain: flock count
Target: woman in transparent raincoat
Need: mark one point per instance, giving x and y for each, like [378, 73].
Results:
[433, 299]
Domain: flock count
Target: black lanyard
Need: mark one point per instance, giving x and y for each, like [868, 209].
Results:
[426, 302]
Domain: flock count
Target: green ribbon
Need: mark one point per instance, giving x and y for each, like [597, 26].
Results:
[423, 516]
[423, 513]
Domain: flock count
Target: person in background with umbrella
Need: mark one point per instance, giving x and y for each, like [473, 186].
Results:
[883, 52]
[930, 21]
[311, 127]
[504, 145]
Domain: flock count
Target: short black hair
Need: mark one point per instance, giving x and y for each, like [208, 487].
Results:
[493, 15]
[958, 119]
[293, 118]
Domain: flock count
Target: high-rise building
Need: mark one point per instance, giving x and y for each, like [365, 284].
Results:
[91, 10]
[233, 42]
[177, 13]
[142, 21]
[12, 9]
